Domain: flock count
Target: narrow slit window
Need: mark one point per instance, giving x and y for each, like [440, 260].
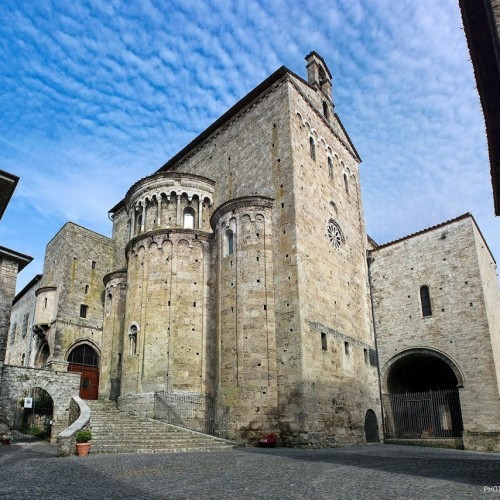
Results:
[325, 110]
[132, 335]
[229, 242]
[425, 301]
[346, 348]
[346, 184]
[323, 341]
[330, 167]
[312, 148]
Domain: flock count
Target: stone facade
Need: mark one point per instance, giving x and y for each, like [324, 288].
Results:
[461, 328]
[69, 300]
[239, 271]
[21, 343]
[17, 382]
[221, 290]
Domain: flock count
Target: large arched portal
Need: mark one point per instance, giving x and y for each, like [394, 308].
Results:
[85, 360]
[421, 397]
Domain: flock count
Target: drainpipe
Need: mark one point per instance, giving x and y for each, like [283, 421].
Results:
[369, 260]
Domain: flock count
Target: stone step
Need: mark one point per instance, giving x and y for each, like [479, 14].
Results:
[114, 431]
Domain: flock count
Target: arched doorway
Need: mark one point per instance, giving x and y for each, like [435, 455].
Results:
[421, 399]
[84, 359]
[33, 416]
[371, 427]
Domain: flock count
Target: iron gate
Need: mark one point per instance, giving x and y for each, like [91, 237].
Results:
[31, 424]
[423, 415]
[197, 412]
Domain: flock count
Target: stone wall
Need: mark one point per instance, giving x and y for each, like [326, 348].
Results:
[72, 289]
[446, 260]
[16, 383]
[8, 277]
[20, 348]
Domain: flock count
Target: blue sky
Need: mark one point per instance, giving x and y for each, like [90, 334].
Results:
[97, 94]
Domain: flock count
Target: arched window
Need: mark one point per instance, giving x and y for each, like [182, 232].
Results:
[330, 167]
[312, 148]
[109, 304]
[84, 355]
[229, 242]
[133, 339]
[346, 184]
[325, 110]
[188, 218]
[425, 301]
[138, 224]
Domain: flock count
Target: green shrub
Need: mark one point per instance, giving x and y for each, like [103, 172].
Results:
[83, 436]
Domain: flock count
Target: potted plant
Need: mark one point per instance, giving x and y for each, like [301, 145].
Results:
[7, 438]
[83, 442]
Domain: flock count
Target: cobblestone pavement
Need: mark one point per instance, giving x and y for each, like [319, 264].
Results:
[375, 471]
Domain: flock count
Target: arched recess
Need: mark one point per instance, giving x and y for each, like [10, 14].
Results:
[420, 368]
[84, 359]
[43, 355]
[420, 395]
[371, 427]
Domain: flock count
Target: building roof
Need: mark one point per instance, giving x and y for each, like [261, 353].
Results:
[34, 280]
[8, 183]
[437, 226]
[279, 74]
[22, 259]
[482, 26]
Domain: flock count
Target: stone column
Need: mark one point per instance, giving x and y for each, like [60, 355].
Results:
[200, 213]
[178, 210]
[158, 200]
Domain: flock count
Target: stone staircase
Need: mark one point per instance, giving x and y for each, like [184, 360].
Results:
[114, 431]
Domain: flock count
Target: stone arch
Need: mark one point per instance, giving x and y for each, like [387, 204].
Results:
[42, 355]
[84, 357]
[422, 354]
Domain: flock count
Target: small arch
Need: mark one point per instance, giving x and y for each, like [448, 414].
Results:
[330, 167]
[188, 218]
[132, 335]
[346, 184]
[371, 427]
[109, 304]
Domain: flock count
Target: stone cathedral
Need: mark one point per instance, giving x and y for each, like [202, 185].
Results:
[239, 270]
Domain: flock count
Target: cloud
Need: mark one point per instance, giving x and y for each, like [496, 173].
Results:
[98, 94]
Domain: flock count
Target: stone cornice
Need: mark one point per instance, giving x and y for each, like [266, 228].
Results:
[194, 234]
[244, 201]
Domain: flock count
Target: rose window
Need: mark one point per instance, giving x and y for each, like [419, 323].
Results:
[335, 234]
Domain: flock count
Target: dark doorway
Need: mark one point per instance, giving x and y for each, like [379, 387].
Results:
[371, 427]
[420, 372]
[33, 416]
[85, 360]
[423, 400]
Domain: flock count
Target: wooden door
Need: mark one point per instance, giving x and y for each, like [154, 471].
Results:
[89, 382]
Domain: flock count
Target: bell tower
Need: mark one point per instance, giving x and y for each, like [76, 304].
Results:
[319, 75]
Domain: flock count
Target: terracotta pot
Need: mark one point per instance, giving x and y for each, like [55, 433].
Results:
[6, 442]
[82, 449]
